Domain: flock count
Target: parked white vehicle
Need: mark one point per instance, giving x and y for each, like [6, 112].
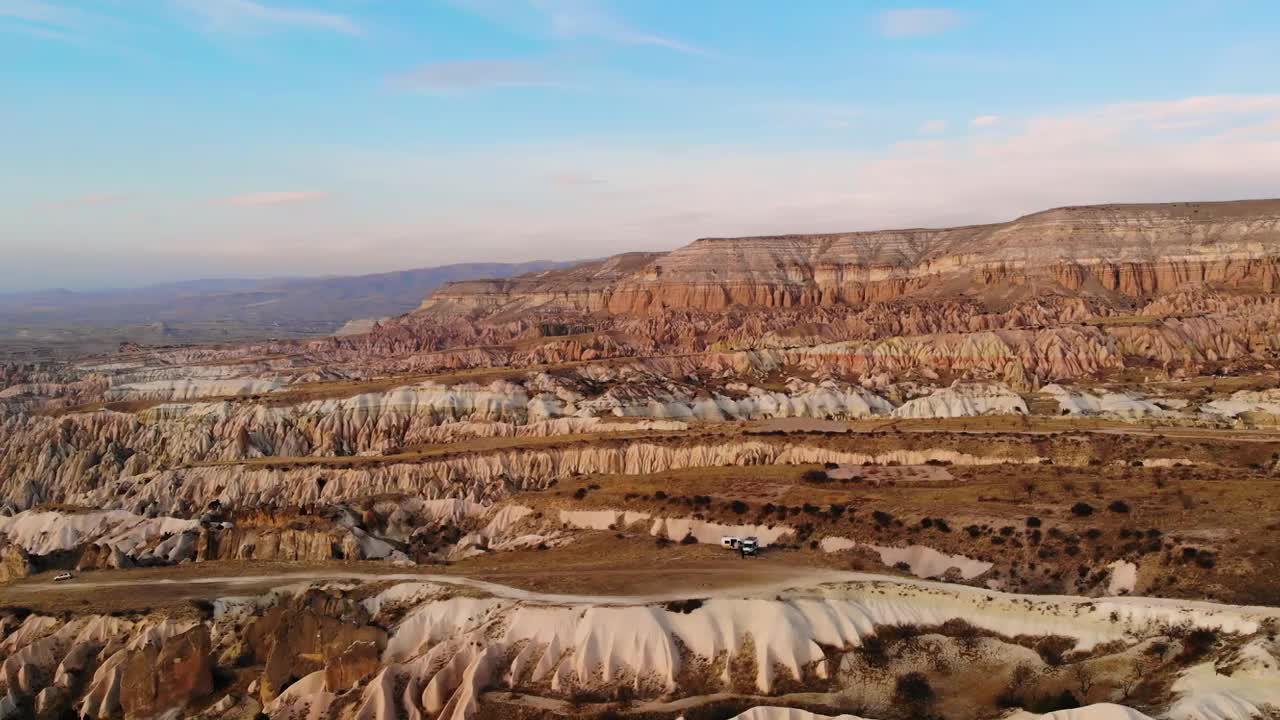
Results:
[60, 577]
[729, 541]
[749, 547]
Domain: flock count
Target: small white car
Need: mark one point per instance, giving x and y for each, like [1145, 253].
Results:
[62, 577]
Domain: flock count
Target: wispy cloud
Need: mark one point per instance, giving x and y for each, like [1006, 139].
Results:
[266, 199]
[933, 127]
[458, 75]
[575, 19]
[917, 21]
[983, 121]
[586, 18]
[248, 16]
[35, 11]
[40, 19]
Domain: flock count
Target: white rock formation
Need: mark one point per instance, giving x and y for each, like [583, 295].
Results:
[1124, 577]
[42, 533]
[1248, 689]
[188, 389]
[1120, 405]
[964, 400]
[923, 561]
[1266, 401]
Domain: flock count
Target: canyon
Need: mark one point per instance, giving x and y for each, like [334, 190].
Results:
[1024, 469]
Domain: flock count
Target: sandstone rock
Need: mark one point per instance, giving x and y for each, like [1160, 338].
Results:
[310, 633]
[359, 661]
[159, 679]
[52, 703]
[14, 562]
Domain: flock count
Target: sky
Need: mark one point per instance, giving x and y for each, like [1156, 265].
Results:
[149, 141]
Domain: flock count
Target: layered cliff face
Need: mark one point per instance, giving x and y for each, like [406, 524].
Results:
[583, 287]
[1131, 251]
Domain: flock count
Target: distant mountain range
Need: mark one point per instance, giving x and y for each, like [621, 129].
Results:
[32, 323]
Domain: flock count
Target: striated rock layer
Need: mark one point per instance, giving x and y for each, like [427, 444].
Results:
[1133, 251]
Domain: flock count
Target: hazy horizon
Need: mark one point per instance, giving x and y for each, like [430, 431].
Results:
[192, 139]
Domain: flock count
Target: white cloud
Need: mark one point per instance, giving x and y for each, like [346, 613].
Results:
[474, 74]
[250, 16]
[263, 199]
[1095, 155]
[983, 121]
[933, 127]
[918, 21]
[434, 204]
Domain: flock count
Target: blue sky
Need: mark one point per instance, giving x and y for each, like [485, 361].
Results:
[153, 140]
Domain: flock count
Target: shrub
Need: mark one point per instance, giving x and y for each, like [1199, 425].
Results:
[689, 540]
[579, 494]
[684, 606]
[1197, 644]
[1082, 509]
[739, 507]
[1052, 648]
[882, 518]
[1065, 700]
[1118, 506]
[875, 651]
[815, 476]
[913, 688]
[1033, 522]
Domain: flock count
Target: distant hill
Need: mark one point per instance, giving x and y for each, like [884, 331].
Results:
[223, 309]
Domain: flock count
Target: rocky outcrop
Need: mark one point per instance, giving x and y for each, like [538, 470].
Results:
[163, 678]
[15, 562]
[1130, 250]
[483, 476]
[312, 632]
